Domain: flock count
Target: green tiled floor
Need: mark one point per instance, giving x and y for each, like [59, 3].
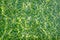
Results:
[29, 19]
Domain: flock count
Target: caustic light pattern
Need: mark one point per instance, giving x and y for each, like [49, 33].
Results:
[29, 19]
